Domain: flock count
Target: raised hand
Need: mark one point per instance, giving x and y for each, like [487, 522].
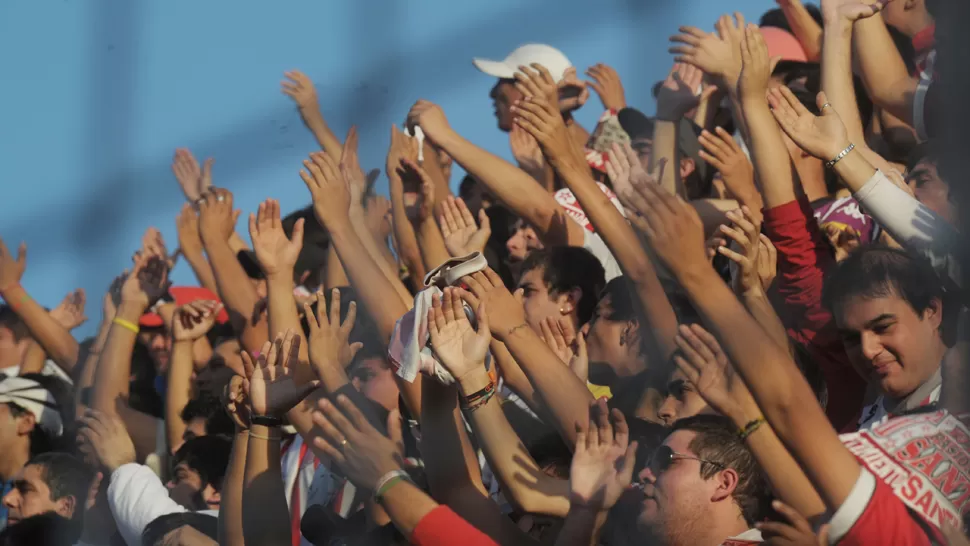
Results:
[850, 11]
[112, 298]
[193, 320]
[624, 169]
[298, 87]
[462, 236]
[378, 210]
[153, 244]
[70, 312]
[723, 153]
[328, 338]
[713, 54]
[755, 66]
[602, 466]
[402, 147]
[536, 82]
[572, 91]
[560, 336]
[187, 227]
[822, 136]
[543, 121]
[352, 172]
[147, 282]
[276, 253]
[359, 450]
[104, 441]
[680, 92]
[460, 347]
[767, 262]
[606, 82]
[236, 401]
[430, 117]
[12, 268]
[671, 227]
[797, 531]
[505, 311]
[217, 219]
[271, 387]
[329, 188]
[409, 170]
[526, 151]
[702, 361]
[745, 232]
[193, 180]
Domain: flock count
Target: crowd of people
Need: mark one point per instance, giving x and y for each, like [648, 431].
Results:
[739, 321]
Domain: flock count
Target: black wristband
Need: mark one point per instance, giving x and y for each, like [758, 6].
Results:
[266, 420]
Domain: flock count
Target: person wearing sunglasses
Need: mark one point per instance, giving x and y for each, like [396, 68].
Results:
[701, 486]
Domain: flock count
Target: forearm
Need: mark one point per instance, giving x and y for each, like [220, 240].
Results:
[234, 287]
[86, 379]
[114, 366]
[565, 396]
[335, 276]
[665, 148]
[882, 69]
[510, 371]
[508, 458]
[177, 391]
[266, 518]
[581, 528]
[201, 268]
[407, 240]
[772, 164]
[758, 304]
[53, 338]
[804, 27]
[231, 495]
[388, 270]
[432, 244]
[513, 187]
[328, 141]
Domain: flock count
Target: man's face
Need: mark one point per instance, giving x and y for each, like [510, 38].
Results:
[931, 190]
[523, 241]
[30, 496]
[13, 431]
[643, 146]
[375, 380]
[503, 96]
[681, 400]
[537, 302]
[890, 344]
[11, 350]
[187, 489]
[610, 345]
[159, 345]
[676, 502]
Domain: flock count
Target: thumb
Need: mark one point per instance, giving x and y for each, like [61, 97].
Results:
[22, 253]
[483, 221]
[298, 231]
[820, 101]
[581, 345]
[518, 294]
[235, 216]
[354, 349]
[394, 428]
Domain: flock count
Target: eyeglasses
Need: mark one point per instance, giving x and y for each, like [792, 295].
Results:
[663, 457]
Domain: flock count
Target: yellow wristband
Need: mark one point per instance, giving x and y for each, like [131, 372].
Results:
[127, 325]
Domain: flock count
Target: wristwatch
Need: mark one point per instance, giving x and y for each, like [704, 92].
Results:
[266, 420]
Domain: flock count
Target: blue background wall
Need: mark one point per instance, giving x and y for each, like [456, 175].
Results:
[97, 94]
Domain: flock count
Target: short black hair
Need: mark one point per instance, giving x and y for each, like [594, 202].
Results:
[209, 407]
[567, 267]
[66, 476]
[47, 529]
[10, 319]
[467, 186]
[927, 151]
[162, 525]
[207, 455]
[875, 270]
[717, 440]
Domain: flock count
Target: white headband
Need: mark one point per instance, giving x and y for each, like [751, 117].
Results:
[33, 397]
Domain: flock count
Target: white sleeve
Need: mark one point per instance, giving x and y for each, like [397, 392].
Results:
[846, 516]
[136, 497]
[597, 246]
[910, 222]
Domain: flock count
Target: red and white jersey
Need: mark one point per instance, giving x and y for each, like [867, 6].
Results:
[872, 514]
[923, 460]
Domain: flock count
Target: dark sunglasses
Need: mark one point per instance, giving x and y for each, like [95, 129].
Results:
[663, 457]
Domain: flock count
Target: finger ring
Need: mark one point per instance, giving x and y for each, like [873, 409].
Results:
[199, 201]
[220, 198]
[343, 443]
[826, 105]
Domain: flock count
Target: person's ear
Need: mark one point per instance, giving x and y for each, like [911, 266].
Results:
[569, 300]
[631, 334]
[65, 506]
[687, 166]
[212, 497]
[726, 481]
[934, 313]
[26, 423]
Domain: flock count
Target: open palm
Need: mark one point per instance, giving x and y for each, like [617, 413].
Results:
[602, 465]
[276, 253]
[272, 389]
[459, 346]
[822, 136]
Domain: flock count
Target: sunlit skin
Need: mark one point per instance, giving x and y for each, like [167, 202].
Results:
[681, 400]
[891, 345]
[187, 484]
[159, 345]
[613, 346]
[539, 304]
[503, 95]
[11, 351]
[523, 241]
[30, 496]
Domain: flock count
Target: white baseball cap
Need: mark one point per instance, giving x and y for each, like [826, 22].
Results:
[33, 397]
[551, 58]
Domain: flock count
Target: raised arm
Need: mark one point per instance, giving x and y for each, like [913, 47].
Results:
[298, 87]
[407, 241]
[55, 339]
[511, 185]
[190, 243]
[804, 27]
[233, 483]
[882, 68]
[677, 96]
[189, 323]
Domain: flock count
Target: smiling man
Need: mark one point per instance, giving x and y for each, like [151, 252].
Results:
[888, 305]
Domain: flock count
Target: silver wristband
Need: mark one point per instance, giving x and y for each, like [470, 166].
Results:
[836, 159]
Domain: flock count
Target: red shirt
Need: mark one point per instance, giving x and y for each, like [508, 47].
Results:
[442, 527]
[803, 258]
